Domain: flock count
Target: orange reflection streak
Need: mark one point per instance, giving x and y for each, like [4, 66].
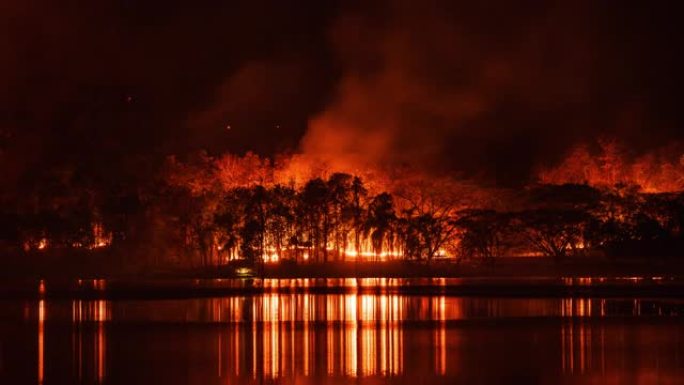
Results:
[41, 341]
[271, 348]
[269, 364]
[254, 350]
[582, 347]
[577, 345]
[282, 349]
[571, 344]
[330, 349]
[381, 323]
[397, 338]
[293, 344]
[78, 312]
[564, 358]
[306, 313]
[236, 348]
[442, 328]
[603, 350]
[439, 312]
[101, 348]
[351, 336]
[368, 352]
[340, 343]
[90, 311]
[219, 354]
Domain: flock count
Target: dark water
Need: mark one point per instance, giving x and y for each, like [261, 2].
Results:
[359, 338]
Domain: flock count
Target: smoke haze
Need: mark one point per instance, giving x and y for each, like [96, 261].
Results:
[486, 90]
[492, 91]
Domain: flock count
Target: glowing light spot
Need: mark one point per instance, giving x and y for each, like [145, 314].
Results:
[42, 244]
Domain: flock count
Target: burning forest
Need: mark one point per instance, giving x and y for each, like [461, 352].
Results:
[346, 133]
[228, 210]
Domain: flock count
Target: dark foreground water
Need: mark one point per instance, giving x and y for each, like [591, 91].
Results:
[342, 338]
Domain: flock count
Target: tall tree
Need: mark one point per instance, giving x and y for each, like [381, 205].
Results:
[380, 222]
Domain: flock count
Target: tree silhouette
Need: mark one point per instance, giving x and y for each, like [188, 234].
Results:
[380, 223]
[484, 233]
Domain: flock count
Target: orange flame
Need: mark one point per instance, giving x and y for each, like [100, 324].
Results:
[655, 172]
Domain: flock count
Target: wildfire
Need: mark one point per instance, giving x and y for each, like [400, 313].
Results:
[231, 207]
[272, 255]
[655, 172]
[101, 237]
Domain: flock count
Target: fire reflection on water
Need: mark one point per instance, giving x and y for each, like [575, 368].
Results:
[41, 340]
[359, 335]
[582, 347]
[89, 338]
[440, 335]
[277, 335]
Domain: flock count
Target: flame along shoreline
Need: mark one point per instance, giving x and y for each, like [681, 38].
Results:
[608, 168]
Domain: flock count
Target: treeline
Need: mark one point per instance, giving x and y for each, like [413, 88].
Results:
[336, 219]
[322, 220]
[209, 212]
[578, 220]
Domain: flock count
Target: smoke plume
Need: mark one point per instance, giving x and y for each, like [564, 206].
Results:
[487, 91]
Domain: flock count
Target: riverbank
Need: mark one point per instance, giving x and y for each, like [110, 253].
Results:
[103, 265]
[504, 267]
[506, 277]
[177, 288]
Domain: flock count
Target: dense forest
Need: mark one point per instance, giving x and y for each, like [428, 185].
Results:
[207, 211]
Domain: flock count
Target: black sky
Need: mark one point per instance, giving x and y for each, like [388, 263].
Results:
[481, 88]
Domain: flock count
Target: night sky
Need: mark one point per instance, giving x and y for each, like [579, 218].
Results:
[484, 89]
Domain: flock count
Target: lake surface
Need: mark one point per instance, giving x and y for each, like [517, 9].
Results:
[355, 337]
